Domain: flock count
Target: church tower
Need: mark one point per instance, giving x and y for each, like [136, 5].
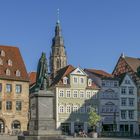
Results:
[58, 57]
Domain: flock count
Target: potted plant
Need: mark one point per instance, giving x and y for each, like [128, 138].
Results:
[93, 119]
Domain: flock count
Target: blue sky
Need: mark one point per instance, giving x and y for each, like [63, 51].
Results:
[95, 32]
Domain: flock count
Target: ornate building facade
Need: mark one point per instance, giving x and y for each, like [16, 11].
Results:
[131, 66]
[75, 94]
[58, 56]
[14, 91]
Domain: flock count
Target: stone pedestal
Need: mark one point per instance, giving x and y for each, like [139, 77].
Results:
[42, 117]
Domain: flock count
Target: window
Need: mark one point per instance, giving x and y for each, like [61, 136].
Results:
[8, 105]
[131, 101]
[18, 88]
[131, 114]
[65, 80]
[8, 88]
[61, 109]
[81, 94]
[75, 108]
[2, 53]
[127, 81]
[123, 114]
[0, 105]
[94, 95]
[87, 108]
[82, 80]
[68, 94]
[68, 109]
[75, 80]
[18, 105]
[131, 91]
[58, 64]
[9, 62]
[103, 83]
[123, 101]
[82, 109]
[75, 94]
[16, 125]
[88, 94]
[0, 87]
[18, 73]
[1, 62]
[123, 90]
[61, 93]
[89, 82]
[115, 84]
[8, 72]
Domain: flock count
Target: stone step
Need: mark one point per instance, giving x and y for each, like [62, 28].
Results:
[2, 137]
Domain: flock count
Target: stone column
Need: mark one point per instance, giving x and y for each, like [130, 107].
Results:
[85, 126]
[72, 127]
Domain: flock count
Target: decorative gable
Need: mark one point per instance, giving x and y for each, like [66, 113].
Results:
[79, 71]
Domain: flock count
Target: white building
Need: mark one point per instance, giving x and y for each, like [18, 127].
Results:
[128, 115]
[75, 94]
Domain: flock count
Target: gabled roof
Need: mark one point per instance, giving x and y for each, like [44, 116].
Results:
[100, 73]
[12, 54]
[134, 63]
[62, 73]
[32, 78]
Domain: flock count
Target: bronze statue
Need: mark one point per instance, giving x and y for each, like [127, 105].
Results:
[42, 75]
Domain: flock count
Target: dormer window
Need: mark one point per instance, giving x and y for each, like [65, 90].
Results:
[65, 80]
[2, 53]
[8, 72]
[89, 82]
[1, 62]
[18, 73]
[9, 62]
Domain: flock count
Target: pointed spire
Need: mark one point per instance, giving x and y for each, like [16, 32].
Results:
[122, 55]
[58, 27]
[58, 20]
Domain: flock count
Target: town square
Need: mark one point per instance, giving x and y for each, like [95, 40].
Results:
[70, 70]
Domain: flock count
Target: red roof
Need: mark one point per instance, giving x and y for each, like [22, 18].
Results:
[100, 73]
[62, 73]
[32, 78]
[12, 54]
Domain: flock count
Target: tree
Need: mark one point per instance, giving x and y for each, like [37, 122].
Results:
[93, 118]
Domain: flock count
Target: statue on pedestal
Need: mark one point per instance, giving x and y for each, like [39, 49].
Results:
[42, 81]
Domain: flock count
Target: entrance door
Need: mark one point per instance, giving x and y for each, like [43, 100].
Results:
[65, 127]
[131, 129]
[2, 126]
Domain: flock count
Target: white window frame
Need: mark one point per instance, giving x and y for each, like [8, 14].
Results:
[75, 92]
[68, 92]
[68, 109]
[61, 93]
[82, 93]
[61, 109]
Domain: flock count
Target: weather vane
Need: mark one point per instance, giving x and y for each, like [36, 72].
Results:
[58, 15]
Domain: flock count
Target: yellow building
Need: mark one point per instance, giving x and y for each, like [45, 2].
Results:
[75, 94]
[14, 91]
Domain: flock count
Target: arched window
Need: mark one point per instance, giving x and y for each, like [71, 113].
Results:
[1, 62]
[89, 82]
[16, 124]
[8, 72]
[2, 53]
[9, 62]
[18, 73]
